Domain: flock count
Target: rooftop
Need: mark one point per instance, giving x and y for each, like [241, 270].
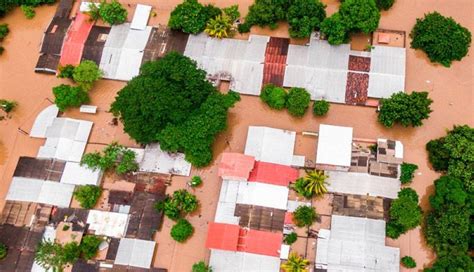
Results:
[334, 145]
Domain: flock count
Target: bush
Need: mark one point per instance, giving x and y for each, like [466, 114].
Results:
[201, 267]
[182, 230]
[220, 27]
[113, 13]
[179, 205]
[54, 256]
[274, 96]
[86, 74]
[67, 96]
[267, 13]
[290, 238]
[335, 30]
[313, 184]
[6, 6]
[7, 105]
[3, 251]
[384, 4]
[66, 71]
[408, 262]
[244, 28]
[407, 172]
[405, 213]
[196, 181]
[87, 195]
[321, 107]
[298, 101]
[304, 16]
[441, 38]
[304, 216]
[114, 156]
[4, 30]
[90, 246]
[29, 11]
[406, 109]
[233, 12]
[191, 16]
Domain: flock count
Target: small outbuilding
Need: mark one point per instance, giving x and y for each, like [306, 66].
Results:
[334, 148]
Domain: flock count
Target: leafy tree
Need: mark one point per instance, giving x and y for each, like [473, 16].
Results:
[86, 74]
[89, 246]
[304, 16]
[7, 105]
[113, 13]
[408, 172]
[408, 262]
[3, 251]
[304, 216]
[201, 267]
[219, 27]
[182, 230]
[94, 11]
[290, 238]
[360, 15]
[441, 38]
[29, 11]
[384, 4]
[453, 261]
[406, 109]
[321, 107]
[4, 30]
[180, 204]
[335, 29]
[67, 96]
[295, 263]
[405, 214]
[274, 96]
[87, 195]
[267, 13]
[233, 12]
[66, 71]
[448, 190]
[191, 16]
[6, 6]
[313, 184]
[116, 156]
[51, 255]
[211, 11]
[298, 101]
[196, 181]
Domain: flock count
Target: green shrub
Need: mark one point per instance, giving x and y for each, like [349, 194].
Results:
[384, 4]
[4, 30]
[2, 49]
[113, 13]
[408, 262]
[274, 96]
[66, 71]
[87, 195]
[67, 96]
[89, 246]
[305, 16]
[29, 11]
[54, 256]
[406, 109]
[244, 28]
[180, 204]
[86, 74]
[114, 156]
[3, 251]
[441, 38]
[405, 213]
[196, 181]
[191, 16]
[267, 13]
[304, 216]
[407, 172]
[335, 29]
[201, 267]
[321, 107]
[182, 230]
[233, 12]
[7, 105]
[290, 238]
[298, 101]
[220, 27]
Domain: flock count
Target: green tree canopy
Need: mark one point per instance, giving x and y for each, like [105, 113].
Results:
[4, 30]
[201, 267]
[114, 156]
[384, 4]
[406, 109]
[335, 29]
[66, 71]
[6, 6]
[360, 15]
[407, 172]
[449, 190]
[182, 231]
[274, 96]
[305, 16]
[298, 101]
[295, 263]
[51, 255]
[179, 205]
[408, 262]
[89, 246]
[113, 13]
[453, 261]
[67, 96]
[87, 195]
[441, 38]
[191, 16]
[219, 27]
[86, 74]
[405, 213]
[28, 11]
[321, 107]
[267, 13]
[304, 216]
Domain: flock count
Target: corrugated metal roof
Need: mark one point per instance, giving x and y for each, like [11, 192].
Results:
[334, 145]
[260, 242]
[75, 39]
[235, 166]
[261, 194]
[39, 191]
[135, 252]
[156, 160]
[222, 236]
[76, 174]
[230, 261]
[44, 119]
[272, 173]
[107, 223]
[140, 17]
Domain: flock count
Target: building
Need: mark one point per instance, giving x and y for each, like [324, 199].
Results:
[334, 148]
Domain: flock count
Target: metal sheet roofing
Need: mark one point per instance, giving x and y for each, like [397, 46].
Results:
[229, 261]
[108, 223]
[39, 191]
[222, 236]
[129, 64]
[260, 242]
[272, 173]
[44, 119]
[235, 166]
[334, 145]
[262, 194]
[135, 252]
[76, 174]
[270, 145]
[140, 17]
[156, 160]
[75, 39]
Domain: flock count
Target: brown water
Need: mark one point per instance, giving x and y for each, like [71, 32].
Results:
[451, 89]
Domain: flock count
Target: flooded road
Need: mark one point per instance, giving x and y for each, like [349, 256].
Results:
[451, 89]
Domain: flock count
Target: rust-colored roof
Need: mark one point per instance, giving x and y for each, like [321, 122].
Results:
[272, 173]
[357, 88]
[235, 166]
[260, 242]
[384, 38]
[289, 218]
[275, 61]
[75, 40]
[222, 236]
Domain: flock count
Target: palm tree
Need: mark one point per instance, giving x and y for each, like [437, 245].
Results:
[219, 27]
[315, 183]
[295, 263]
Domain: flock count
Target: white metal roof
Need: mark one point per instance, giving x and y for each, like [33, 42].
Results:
[334, 145]
[362, 184]
[263, 194]
[117, 35]
[156, 160]
[76, 174]
[270, 145]
[44, 119]
[140, 17]
[387, 71]
[129, 64]
[108, 223]
[225, 209]
[137, 39]
[39, 191]
[230, 261]
[135, 252]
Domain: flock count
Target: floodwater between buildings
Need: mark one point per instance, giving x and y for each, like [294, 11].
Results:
[451, 89]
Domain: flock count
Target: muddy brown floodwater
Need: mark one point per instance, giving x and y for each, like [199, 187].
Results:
[451, 89]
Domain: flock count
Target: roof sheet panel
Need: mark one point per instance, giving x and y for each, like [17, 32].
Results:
[140, 17]
[272, 173]
[334, 145]
[222, 236]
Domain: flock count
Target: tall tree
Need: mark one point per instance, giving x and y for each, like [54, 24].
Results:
[305, 16]
[406, 109]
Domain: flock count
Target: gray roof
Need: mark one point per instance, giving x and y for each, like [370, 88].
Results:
[135, 252]
[39, 191]
[230, 261]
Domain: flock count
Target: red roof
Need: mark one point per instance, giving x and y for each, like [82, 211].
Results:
[75, 39]
[222, 236]
[260, 242]
[235, 166]
[289, 218]
[272, 173]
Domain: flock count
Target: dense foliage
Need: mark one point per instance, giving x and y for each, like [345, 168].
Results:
[201, 267]
[90, 246]
[441, 38]
[191, 16]
[290, 238]
[113, 156]
[196, 181]
[113, 13]
[54, 256]
[220, 27]
[408, 262]
[405, 213]
[6, 6]
[67, 96]
[233, 12]
[321, 107]
[179, 205]
[384, 4]
[66, 71]
[274, 96]
[304, 16]
[313, 184]
[182, 230]
[298, 101]
[86, 74]
[266, 13]
[334, 28]
[304, 216]
[4, 30]
[407, 172]
[7, 105]
[406, 109]
[28, 11]
[295, 263]
[3, 251]
[87, 195]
